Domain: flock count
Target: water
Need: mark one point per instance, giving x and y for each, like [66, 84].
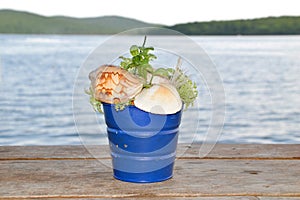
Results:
[260, 75]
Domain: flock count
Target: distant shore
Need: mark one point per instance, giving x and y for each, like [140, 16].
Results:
[18, 22]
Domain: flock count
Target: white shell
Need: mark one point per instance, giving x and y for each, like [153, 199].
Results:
[159, 99]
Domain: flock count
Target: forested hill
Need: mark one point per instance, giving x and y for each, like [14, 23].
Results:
[262, 26]
[28, 23]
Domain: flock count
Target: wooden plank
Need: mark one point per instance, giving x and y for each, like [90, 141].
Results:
[245, 151]
[278, 198]
[170, 198]
[220, 151]
[193, 178]
[196, 198]
[47, 152]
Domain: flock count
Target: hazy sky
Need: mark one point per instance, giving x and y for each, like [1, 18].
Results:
[159, 11]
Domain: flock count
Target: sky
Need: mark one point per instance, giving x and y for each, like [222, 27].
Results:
[167, 12]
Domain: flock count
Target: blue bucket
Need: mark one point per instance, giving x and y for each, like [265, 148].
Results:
[143, 145]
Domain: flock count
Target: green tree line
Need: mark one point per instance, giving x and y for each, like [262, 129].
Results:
[261, 26]
[28, 23]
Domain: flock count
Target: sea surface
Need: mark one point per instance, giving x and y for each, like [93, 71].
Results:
[260, 76]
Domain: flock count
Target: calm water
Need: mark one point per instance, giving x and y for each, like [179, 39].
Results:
[260, 75]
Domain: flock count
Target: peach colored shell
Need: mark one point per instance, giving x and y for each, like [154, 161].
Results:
[112, 84]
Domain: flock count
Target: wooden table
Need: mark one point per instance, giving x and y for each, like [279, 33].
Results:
[228, 172]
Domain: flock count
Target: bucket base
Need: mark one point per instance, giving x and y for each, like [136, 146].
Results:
[148, 177]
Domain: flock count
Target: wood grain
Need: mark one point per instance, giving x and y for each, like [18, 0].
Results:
[266, 172]
[220, 151]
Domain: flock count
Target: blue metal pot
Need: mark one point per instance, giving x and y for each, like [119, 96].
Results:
[143, 145]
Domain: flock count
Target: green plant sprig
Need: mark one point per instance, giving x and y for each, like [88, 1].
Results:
[186, 88]
[122, 105]
[139, 63]
[97, 105]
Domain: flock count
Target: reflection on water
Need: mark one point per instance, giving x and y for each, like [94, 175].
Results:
[260, 76]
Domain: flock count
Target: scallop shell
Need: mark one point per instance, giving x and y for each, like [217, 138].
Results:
[112, 84]
[159, 99]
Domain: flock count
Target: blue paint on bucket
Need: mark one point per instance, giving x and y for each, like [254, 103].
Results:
[143, 145]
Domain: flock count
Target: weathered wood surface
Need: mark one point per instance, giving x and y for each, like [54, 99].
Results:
[239, 172]
[220, 151]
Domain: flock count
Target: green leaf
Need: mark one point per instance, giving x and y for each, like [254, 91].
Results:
[136, 59]
[152, 56]
[97, 105]
[171, 70]
[125, 63]
[145, 50]
[148, 68]
[142, 72]
[161, 72]
[134, 50]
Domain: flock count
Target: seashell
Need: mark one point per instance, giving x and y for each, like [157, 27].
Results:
[112, 84]
[159, 99]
